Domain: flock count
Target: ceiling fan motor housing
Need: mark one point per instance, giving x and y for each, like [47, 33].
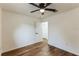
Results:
[42, 5]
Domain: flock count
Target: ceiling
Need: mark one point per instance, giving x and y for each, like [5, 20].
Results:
[25, 8]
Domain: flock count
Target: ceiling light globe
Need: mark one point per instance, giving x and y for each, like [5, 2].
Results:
[42, 10]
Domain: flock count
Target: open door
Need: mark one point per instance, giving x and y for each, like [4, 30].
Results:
[42, 31]
[38, 31]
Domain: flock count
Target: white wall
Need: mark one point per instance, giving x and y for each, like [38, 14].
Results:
[63, 31]
[0, 31]
[17, 31]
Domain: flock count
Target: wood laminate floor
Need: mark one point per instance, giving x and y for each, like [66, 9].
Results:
[47, 50]
[39, 49]
[43, 50]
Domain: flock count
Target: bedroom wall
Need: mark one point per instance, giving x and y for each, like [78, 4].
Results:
[18, 30]
[63, 31]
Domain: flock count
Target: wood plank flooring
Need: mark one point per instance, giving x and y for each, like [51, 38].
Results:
[38, 49]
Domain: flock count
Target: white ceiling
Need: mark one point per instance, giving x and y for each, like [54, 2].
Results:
[25, 8]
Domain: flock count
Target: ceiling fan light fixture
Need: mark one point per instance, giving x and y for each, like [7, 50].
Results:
[42, 7]
[42, 10]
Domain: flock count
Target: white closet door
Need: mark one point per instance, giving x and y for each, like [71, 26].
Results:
[38, 31]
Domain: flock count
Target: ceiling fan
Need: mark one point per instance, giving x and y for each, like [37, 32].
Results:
[42, 7]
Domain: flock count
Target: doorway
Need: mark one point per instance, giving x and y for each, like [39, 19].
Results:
[45, 31]
[42, 31]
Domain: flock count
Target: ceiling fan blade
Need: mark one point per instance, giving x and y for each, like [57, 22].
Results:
[48, 9]
[47, 4]
[35, 10]
[34, 5]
